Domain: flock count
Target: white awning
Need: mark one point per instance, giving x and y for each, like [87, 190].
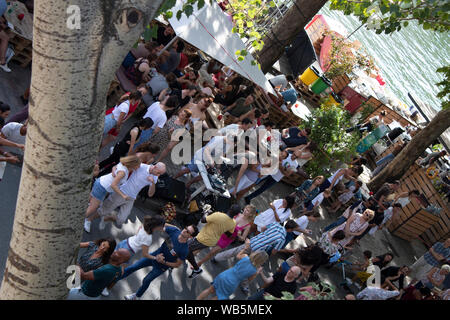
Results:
[209, 29]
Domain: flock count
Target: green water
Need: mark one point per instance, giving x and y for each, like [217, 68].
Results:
[408, 59]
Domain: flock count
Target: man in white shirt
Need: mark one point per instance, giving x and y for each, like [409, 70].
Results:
[157, 112]
[146, 175]
[287, 165]
[217, 146]
[281, 80]
[16, 133]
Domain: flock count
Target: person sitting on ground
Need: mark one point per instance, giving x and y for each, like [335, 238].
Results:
[97, 280]
[389, 215]
[412, 293]
[278, 283]
[358, 206]
[317, 201]
[198, 110]
[305, 152]
[348, 173]
[290, 96]
[248, 267]
[383, 260]
[358, 161]
[139, 72]
[247, 176]
[306, 259]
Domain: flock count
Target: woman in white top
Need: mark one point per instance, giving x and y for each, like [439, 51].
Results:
[247, 176]
[107, 184]
[280, 211]
[120, 112]
[404, 198]
[304, 153]
[355, 226]
[142, 240]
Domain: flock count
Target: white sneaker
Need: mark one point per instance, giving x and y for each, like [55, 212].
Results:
[349, 281]
[102, 224]
[5, 67]
[105, 292]
[87, 225]
[131, 297]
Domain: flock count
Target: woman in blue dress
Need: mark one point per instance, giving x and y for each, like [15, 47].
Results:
[248, 267]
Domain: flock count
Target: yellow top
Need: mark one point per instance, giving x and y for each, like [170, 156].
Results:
[216, 224]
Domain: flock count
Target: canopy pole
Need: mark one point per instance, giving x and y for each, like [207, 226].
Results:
[167, 46]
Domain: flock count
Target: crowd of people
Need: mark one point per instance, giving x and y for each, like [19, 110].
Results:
[176, 87]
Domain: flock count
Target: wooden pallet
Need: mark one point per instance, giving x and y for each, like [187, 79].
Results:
[313, 98]
[339, 83]
[295, 179]
[23, 49]
[391, 115]
[414, 222]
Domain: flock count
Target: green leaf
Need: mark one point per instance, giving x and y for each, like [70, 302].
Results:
[200, 4]
[241, 58]
[188, 10]
[168, 15]
[272, 4]
[179, 13]
[238, 52]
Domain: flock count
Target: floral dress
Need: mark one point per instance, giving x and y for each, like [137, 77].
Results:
[86, 263]
[357, 225]
[162, 138]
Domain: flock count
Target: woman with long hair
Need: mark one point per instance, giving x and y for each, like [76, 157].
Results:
[244, 222]
[307, 191]
[280, 211]
[97, 253]
[147, 152]
[169, 137]
[248, 267]
[125, 146]
[108, 184]
[120, 112]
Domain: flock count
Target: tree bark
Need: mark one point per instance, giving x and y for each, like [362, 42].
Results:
[422, 140]
[72, 70]
[286, 29]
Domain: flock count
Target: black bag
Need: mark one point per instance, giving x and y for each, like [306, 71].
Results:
[223, 204]
[170, 189]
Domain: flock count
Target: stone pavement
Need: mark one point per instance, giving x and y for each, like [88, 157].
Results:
[175, 285]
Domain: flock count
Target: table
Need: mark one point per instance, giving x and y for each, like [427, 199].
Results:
[212, 112]
[21, 37]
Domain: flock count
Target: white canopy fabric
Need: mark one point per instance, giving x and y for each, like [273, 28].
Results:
[209, 30]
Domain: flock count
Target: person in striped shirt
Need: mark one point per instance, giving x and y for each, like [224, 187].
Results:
[270, 241]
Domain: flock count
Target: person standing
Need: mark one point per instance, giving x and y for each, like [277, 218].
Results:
[248, 267]
[97, 280]
[96, 254]
[217, 223]
[171, 254]
[280, 211]
[277, 284]
[120, 112]
[146, 175]
[14, 132]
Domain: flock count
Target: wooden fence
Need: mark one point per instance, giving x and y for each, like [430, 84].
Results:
[414, 222]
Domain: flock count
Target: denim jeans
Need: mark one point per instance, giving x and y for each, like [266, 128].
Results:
[338, 222]
[389, 157]
[268, 183]
[258, 295]
[157, 270]
[145, 136]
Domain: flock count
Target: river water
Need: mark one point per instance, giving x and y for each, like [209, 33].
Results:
[408, 59]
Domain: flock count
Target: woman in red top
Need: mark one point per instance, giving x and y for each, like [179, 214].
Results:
[113, 133]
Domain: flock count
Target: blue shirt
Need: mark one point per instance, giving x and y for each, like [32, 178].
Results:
[290, 95]
[273, 238]
[439, 248]
[3, 7]
[179, 250]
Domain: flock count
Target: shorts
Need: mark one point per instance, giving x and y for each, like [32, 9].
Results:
[124, 245]
[98, 191]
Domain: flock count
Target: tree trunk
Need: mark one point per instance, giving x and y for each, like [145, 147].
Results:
[422, 140]
[72, 70]
[285, 31]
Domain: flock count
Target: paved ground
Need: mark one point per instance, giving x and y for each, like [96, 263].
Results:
[175, 284]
